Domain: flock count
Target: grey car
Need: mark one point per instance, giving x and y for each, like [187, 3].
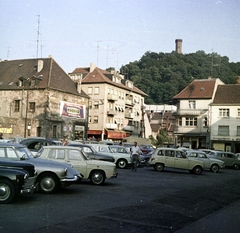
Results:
[51, 175]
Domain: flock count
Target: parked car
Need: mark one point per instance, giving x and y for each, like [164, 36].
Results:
[175, 158]
[94, 170]
[34, 144]
[92, 153]
[146, 148]
[147, 157]
[120, 154]
[211, 164]
[51, 175]
[228, 158]
[16, 178]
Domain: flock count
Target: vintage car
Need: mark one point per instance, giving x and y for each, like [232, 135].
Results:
[211, 164]
[175, 158]
[92, 153]
[51, 175]
[16, 178]
[94, 170]
[228, 158]
[121, 155]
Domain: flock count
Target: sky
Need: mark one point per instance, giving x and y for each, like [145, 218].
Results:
[112, 33]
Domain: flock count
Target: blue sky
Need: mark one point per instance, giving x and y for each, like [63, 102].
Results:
[116, 32]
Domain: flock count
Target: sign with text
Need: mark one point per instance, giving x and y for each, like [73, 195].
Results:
[72, 110]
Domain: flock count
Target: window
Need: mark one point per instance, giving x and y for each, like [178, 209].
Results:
[190, 121]
[238, 112]
[95, 119]
[56, 154]
[238, 130]
[205, 121]
[16, 105]
[89, 119]
[223, 112]
[192, 104]
[75, 155]
[180, 121]
[90, 90]
[223, 130]
[31, 106]
[90, 104]
[96, 90]
[96, 104]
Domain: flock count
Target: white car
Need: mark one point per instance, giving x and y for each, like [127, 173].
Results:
[209, 163]
[120, 154]
[94, 170]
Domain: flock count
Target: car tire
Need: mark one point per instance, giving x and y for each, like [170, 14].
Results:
[214, 168]
[197, 170]
[8, 192]
[159, 167]
[97, 177]
[48, 183]
[122, 163]
[236, 166]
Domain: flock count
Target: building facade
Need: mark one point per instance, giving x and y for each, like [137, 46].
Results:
[225, 118]
[37, 98]
[193, 116]
[116, 106]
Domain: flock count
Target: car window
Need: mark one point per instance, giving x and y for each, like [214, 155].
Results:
[74, 155]
[180, 154]
[193, 154]
[160, 152]
[11, 153]
[230, 156]
[56, 154]
[201, 155]
[169, 153]
[113, 149]
[2, 153]
[87, 150]
[103, 149]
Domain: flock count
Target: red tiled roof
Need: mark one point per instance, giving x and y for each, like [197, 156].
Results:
[198, 89]
[99, 76]
[227, 94]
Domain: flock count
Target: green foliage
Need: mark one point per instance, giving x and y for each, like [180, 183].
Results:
[163, 75]
[162, 137]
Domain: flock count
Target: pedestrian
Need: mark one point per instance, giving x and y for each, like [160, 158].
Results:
[64, 142]
[135, 156]
[1, 136]
[120, 144]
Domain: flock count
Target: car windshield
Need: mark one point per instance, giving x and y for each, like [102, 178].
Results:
[86, 157]
[24, 152]
[38, 153]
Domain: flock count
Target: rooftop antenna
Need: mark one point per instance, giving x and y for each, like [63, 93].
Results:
[8, 52]
[38, 33]
[98, 50]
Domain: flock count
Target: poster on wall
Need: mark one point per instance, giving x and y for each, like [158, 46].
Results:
[72, 110]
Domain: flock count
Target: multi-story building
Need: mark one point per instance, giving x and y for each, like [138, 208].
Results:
[192, 115]
[116, 106]
[37, 98]
[225, 118]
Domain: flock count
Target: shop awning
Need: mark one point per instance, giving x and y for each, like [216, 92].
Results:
[116, 134]
[95, 132]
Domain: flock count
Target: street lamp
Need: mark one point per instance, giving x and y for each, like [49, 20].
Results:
[27, 125]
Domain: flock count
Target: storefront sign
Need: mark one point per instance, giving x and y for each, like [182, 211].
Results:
[72, 110]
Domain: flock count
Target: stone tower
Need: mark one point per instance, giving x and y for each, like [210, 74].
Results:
[178, 46]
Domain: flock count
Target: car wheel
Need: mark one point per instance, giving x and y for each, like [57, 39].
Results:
[48, 183]
[97, 177]
[159, 167]
[214, 168]
[236, 166]
[147, 163]
[7, 191]
[122, 163]
[197, 170]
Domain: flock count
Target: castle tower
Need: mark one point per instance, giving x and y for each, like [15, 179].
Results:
[178, 46]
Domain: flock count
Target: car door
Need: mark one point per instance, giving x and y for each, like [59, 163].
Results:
[203, 157]
[181, 161]
[78, 161]
[169, 158]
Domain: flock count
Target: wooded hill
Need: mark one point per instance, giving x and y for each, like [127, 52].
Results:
[163, 75]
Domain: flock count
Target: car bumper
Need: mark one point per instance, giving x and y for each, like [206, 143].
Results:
[115, 175]
[74, 179]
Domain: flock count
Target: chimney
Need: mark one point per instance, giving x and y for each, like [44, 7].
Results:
[178, 46]
[92, 67]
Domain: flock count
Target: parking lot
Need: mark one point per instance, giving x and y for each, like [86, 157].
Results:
[142, 201]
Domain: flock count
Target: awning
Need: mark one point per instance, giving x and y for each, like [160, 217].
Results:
[95, 132]
[116, 134]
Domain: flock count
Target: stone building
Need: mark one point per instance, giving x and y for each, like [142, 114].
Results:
[116, 106]
[37, 98]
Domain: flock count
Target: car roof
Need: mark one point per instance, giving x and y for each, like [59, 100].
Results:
[11, 144]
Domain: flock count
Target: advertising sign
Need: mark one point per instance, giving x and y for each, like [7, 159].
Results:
[72, 110]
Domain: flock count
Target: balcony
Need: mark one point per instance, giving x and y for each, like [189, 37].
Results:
[112, 97]
[129, 102]
[111, 126]
[111, 112]
[129, 115]
[129, 128]
[189, 112]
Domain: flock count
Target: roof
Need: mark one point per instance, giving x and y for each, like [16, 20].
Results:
[52, 75]
[100, 76]
[227, 94]
[155, 127]
[198, 89]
